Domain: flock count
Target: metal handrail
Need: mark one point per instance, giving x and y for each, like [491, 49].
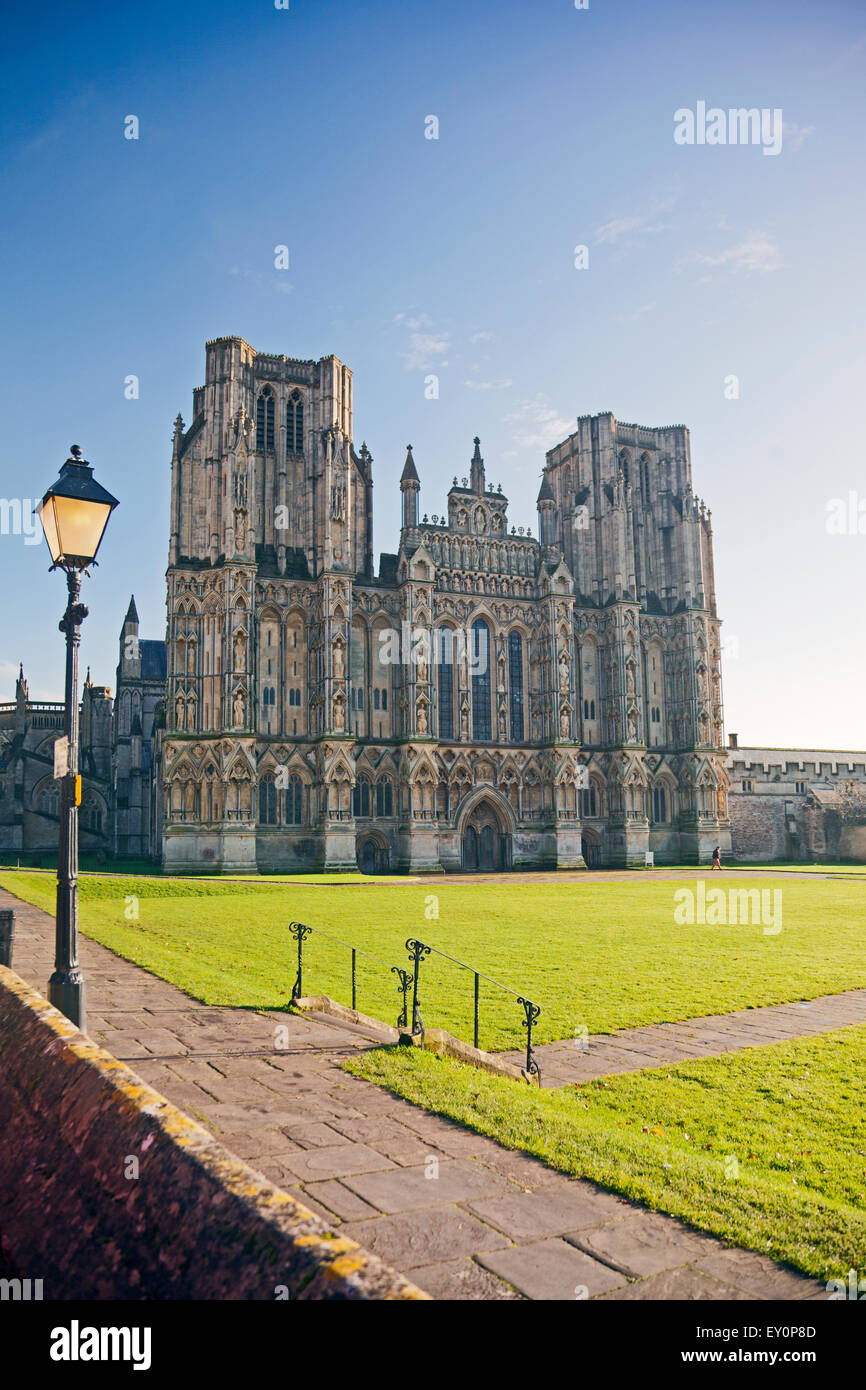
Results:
[418, 951]
[300, 930]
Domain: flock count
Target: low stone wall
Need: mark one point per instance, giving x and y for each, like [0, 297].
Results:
[109, 1192]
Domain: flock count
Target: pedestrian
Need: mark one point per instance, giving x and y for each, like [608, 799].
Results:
[717, 857]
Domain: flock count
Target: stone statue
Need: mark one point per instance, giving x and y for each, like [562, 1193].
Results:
[239, 709]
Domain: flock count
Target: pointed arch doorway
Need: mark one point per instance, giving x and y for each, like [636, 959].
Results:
[486, 840]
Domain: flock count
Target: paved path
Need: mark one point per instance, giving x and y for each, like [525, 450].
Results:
[463, 1217]
[571, 1061]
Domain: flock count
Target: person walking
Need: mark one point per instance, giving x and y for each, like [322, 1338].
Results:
[717, 857]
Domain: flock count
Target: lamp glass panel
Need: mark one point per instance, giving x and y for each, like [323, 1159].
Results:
[80, 525]
[49, 526]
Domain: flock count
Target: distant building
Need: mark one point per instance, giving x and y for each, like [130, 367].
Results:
[121, 808]
[801, 804]
[29, 795]
[136, 796]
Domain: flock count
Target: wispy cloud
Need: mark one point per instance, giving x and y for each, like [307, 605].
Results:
[427, 347]
[795, 136]
[536, 425]
[488, 385]
[484, 336]
[758, 254]
[629, 230]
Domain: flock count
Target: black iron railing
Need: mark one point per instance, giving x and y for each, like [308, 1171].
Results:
[418, 952]
[300, 931]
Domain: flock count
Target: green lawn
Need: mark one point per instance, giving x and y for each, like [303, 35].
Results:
[765, 1148]
[603, 954]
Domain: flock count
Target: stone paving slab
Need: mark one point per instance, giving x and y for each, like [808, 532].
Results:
[424, 1237]
[632, 1049]
[550, 1211]
[552, 1269]
[464, 1234]
[463, 1279]
[677, 1285]
[646, 1243]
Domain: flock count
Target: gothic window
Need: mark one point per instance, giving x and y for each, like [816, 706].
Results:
[265, 419]
[660, 808]
[295, 424]
[481, 723]
[267, 801]
[294, 801]
[589, 801]
[515, 684]
[384, 798]
[445, 680]
[361, 797]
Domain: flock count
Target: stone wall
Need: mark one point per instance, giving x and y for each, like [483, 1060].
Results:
[195, 1223]
[758, 828]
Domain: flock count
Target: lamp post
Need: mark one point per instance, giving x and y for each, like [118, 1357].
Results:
[74, 514]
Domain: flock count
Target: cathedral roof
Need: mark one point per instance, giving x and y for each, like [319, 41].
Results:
[153, 660]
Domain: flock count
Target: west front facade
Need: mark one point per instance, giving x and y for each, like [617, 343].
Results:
[481, 699]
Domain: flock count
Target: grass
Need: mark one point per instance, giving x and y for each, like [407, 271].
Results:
[602, 954]
[763, 1148]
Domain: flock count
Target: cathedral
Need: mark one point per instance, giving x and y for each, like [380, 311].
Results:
[482, 699]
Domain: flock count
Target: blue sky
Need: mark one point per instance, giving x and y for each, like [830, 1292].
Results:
[305, 127]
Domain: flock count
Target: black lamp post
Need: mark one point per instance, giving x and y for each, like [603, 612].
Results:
[74, 514]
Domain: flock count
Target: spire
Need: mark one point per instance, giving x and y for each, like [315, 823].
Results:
[177, 435]
[476, 469]
[131, 612]
[410, 486]
[546, 512]
[410, 472]
[545, 492]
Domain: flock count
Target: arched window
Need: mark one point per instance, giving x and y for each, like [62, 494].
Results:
[515, 684]
[444, 657]
[589, 801]
[267, 801]
[384, 798]
[295, 424]
[660, 804]
[295, 802]
[265, 419]
[479, 658]
[361, 797]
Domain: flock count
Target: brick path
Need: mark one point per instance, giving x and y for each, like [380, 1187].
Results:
[494, 1223]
